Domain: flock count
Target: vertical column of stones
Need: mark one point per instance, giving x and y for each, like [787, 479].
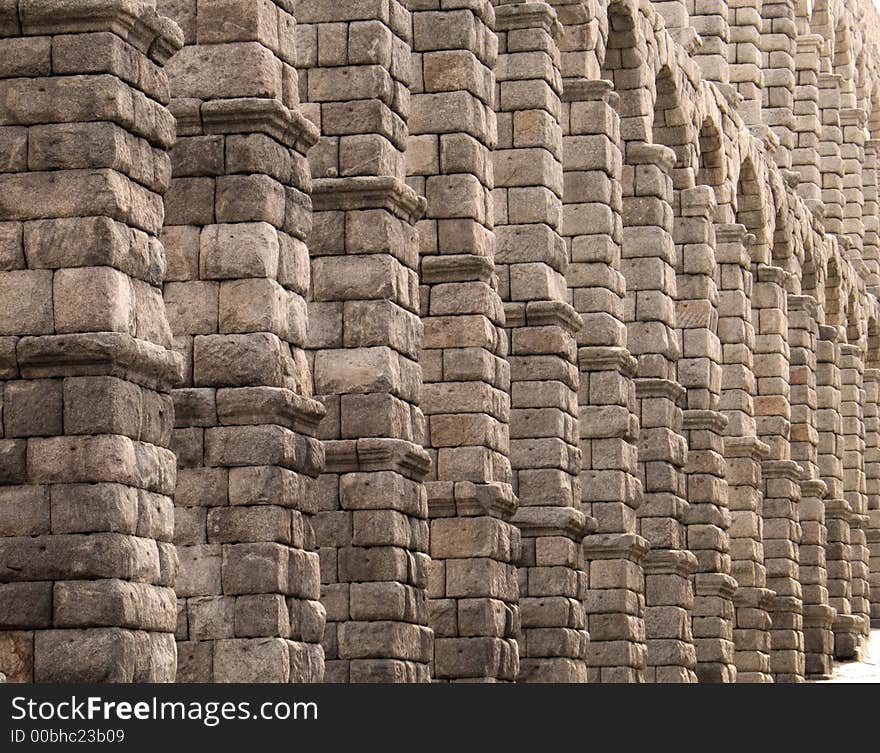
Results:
[818, 616]
[745, 58]
[780, 473]
[830, 161]
[473, 588]
[871, 212]
[779, 32]
[709, 19]
[531, 264]
[608, 428]
[87, 566]
[372, 527]
[805, 155]
[852, 152]
[837, 511]
[677, 21]
[872, 473]
[238, 214]
[743, 453]
[648, 263]
[699, 371]
[579, 58]
[842, 64]
[852, 400]
[781, 558]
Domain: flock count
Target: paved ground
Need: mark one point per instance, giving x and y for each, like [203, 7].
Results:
[867, 670]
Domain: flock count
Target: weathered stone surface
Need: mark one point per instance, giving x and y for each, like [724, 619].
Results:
[86, 518]
[463, 341]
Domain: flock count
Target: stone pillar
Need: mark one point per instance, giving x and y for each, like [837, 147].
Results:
[473, 578]
[830, 161]
[872, 473]
[782, 536]
[838, 553]
[677, 20]
[871, 214]
[781, 527]
[779, 32]
[87, 567]
[608, 428]
[531, 263]
[818, 616]
[699, 372]
[743, 453]
[852, 152]
[366, 335]
[807, 119]
[843, 65]
[781, 474]
[744, 57]
[238, 214]
[709, 18]
[648, 266]
[579, 40]
[852, 400]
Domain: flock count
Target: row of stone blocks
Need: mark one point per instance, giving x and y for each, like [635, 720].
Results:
[509, 471]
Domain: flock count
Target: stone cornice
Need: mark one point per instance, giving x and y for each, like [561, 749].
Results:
[640, 153]
[709, 420]
[456, 268]
[837, 509]
[553, 313]
[746, 447]
[467, 498]
[669, 562]
[731, 233]
[135, 21]
[615, 546]
[244, 115]
[483, 9]
[848, 349]
[781, 469]
[553, 521]
[368, 192]
[527, 16]
[813, 487]
[853, 116]
[599, 358]
[653, 387]
[811, 43]
[99, 354]
[715, 584]
[819, 615]
[250, 115]
[354, 455]
[587, 90]
[255, 406]
[768, 273]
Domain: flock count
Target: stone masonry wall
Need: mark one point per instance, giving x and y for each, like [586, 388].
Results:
[438, 340]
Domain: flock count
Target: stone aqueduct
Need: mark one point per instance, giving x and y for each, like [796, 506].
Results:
[452, 340]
